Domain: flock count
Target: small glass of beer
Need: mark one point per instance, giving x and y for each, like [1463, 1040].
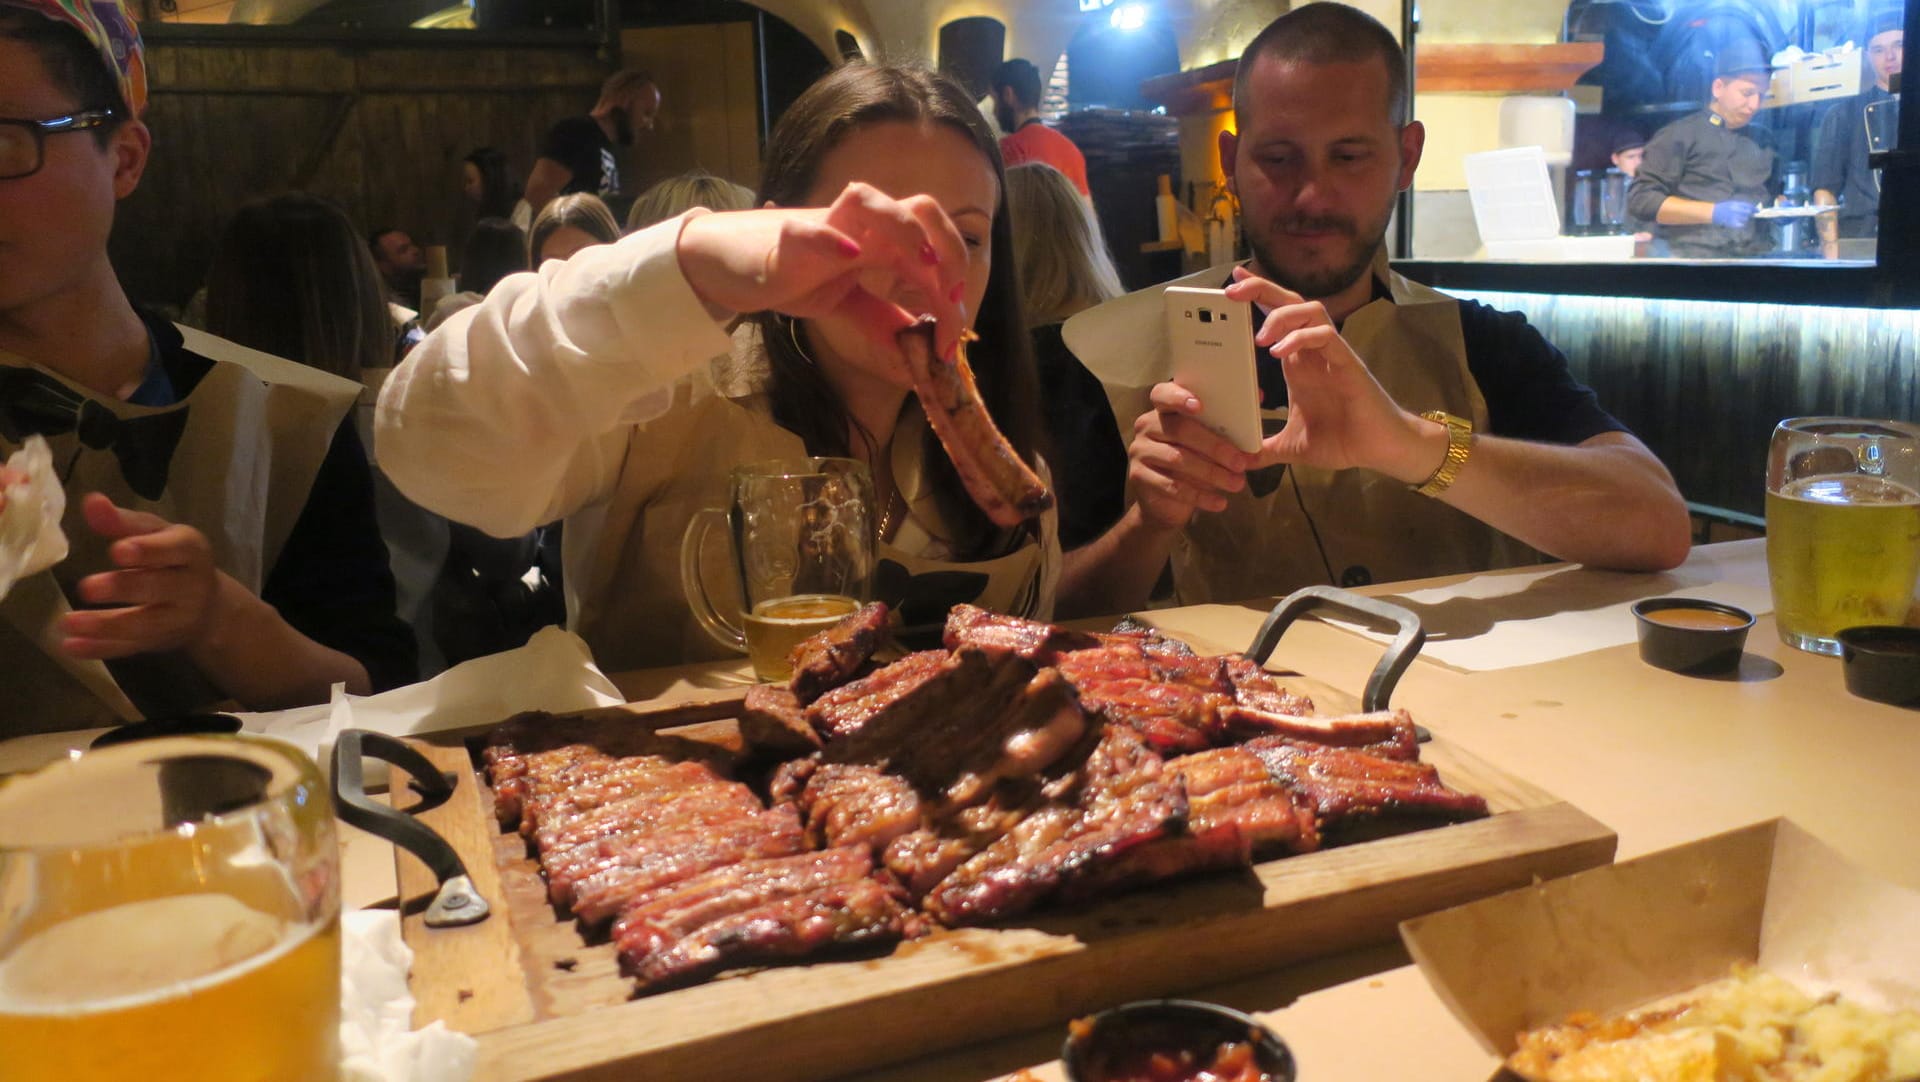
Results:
[802, 548]
[1843, 526]
[170, 909]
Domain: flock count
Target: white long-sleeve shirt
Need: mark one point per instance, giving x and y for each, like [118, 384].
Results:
[603, 391]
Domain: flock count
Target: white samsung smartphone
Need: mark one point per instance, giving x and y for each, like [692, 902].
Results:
[1210, 339]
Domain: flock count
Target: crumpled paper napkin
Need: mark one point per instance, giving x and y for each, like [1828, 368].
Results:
[30, 536]
[554, 671]
[377, 1040]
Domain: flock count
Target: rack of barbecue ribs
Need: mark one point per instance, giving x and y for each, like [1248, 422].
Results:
[1021, 765]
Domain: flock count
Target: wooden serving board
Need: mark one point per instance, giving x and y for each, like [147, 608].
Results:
[545, 1004]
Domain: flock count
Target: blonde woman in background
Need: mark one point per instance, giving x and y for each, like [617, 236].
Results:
[1064, 268]
[566, 225]
[676, 195]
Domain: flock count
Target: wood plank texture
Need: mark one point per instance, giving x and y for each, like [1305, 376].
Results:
[468, 989]
[1704, 383]
[959, 986]
[1457, 68]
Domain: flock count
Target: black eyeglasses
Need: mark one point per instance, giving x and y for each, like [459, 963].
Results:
[23, 143]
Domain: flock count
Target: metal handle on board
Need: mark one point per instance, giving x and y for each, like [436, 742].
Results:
[1400, 653]
[456, 902]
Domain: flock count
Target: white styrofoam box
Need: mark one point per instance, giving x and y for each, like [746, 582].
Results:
[1512, 195]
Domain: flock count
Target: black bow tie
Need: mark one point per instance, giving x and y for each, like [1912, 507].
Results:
[33, 403]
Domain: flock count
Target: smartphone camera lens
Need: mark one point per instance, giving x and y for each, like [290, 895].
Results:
[1206, 315]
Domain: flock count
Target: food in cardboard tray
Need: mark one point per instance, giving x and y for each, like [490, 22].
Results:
[957, 786]
[1750, 1027]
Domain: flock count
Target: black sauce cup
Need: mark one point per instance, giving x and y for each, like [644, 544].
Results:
[1882, 663]
[1696, 651]
[1131, 1032]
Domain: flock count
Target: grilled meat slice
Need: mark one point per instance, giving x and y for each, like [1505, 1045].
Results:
[1000, 482]
[846, 709]
[647, 930]
[1342, 783]
[641, 865]
[701, 799]
[1255, 687]
[773, 720]
[1174, 718]
[1124, 801]
[857, 804]
[1232, 787]
[828, 659]
[538, 743]
[553, 798]
[1042, 644]
[862, 911]
[1389, 734]
[978, 719]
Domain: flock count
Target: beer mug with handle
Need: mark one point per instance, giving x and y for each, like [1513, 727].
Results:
[1843, 526]
[802, 541]
[170, 909]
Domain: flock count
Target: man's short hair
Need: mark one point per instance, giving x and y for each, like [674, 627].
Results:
[621, 84]
[1328, 33]
[1023, 78]
[373, 237]
[77, 68]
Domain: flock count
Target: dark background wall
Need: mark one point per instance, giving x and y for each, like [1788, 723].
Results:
[1703, 383]
[381, 130]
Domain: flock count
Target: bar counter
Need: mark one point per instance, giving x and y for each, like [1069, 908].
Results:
[1659, 757]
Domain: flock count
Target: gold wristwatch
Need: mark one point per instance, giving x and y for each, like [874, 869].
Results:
[1459, 445]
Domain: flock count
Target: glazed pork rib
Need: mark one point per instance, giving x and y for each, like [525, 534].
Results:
[1344, 783]
[1003, 485]
[756, 911]
[827, 660]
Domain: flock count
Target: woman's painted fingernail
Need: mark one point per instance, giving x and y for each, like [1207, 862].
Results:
[958, 291]
[849, 248]
[928, 256]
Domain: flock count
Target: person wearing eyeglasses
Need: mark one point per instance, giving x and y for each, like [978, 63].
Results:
[214, 557]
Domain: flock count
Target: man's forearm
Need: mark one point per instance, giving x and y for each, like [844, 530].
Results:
[1676, 210]
[1827, 225]
[1607, 502]
[261, 661]
[1115, 572]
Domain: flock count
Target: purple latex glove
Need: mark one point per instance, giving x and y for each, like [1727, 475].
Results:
[1733, 214]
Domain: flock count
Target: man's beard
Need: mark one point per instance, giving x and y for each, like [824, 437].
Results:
[1003, 116]
[1316, 283]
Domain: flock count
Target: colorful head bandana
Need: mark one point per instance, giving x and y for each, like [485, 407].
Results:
[112, 30]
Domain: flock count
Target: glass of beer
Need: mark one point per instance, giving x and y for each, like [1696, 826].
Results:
[802, 548]
[1843, 526]
[170, 909]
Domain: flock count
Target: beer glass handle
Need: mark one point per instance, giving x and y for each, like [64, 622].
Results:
[695, 584]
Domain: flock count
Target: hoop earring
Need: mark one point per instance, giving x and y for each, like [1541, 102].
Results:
[793, 335]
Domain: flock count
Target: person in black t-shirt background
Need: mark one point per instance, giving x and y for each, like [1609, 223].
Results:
[582, 153]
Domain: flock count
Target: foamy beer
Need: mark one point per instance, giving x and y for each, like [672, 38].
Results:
[170, 909]
[802, 548]
[1843, 526]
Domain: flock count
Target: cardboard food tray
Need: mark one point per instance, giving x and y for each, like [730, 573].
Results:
[546, 1004]
[1616, 938]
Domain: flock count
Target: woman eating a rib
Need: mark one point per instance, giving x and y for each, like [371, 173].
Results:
[618, 389]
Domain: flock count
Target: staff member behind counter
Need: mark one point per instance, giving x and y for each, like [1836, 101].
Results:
[1704, 176]
[1841, 173]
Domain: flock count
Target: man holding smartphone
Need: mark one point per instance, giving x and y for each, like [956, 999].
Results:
[1407, 434]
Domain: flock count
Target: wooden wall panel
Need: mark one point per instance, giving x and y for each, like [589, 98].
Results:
[709, 91]
[1704, 383]
[380, 130]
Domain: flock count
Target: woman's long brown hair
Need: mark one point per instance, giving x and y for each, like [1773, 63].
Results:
[291, 276]
[841, 102]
